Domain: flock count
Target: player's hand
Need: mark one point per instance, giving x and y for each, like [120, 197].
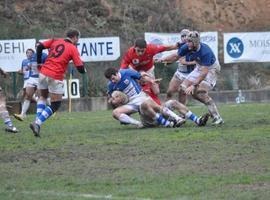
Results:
[144, 73]
[190, 90]
[157, 80]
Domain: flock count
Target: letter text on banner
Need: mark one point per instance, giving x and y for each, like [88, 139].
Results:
[12, 53]
[99, 49]
[247, 47]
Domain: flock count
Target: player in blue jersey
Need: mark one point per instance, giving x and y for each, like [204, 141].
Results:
[30, 73]
[203, 77]
[125, 80]
[150, 112]
[184, 68]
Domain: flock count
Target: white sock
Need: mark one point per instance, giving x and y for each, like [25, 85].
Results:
[170, 113]
[128, 120]
[25, 107]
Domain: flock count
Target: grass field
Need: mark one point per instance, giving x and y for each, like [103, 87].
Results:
[91, 156]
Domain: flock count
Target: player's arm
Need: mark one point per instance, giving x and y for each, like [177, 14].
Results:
[126, 61]
[171, 47]
[40, 47]
[20, 71]
[109, 93]
[168, 59]
[203, 73]
[183, 61]
[78, 62]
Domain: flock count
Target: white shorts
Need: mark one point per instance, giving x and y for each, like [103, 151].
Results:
[54, 86]
[210, 79]
[136, 101]
[180, 75]
[30, 82]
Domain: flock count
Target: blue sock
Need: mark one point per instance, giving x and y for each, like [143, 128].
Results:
[161, 120]
[192, 117]
[41, 105]
[8, 123]
[46, 113]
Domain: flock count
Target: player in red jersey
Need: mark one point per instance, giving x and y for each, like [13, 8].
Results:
[140, 58]
[51, 76]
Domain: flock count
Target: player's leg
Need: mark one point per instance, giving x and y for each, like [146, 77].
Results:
[26, 103]
[155, 86]
[5, 115]
[56, 91]
[153, 111]
[203, 96]
[122, 113]
[181, 108]
[173, 87]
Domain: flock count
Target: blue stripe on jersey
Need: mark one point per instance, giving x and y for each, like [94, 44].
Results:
[127, 84]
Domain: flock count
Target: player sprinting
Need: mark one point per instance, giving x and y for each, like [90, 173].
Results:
[51, 76]
[203, 77]
[3, 109]
[30, 73]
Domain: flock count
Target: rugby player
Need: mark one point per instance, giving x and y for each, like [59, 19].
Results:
[203, 78]
[51, 75]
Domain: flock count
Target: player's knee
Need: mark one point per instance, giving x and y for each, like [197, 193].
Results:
[116, 113]
[145, 105]
[169, 94]
[55, 105]
[202, 96]
[2, 106]
[170, 104]
[182, 88]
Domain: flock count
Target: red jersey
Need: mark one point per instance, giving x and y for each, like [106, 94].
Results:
[60, 53]
[147, 89]
[143, 62]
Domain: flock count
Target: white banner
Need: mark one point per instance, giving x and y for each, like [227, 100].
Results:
[210, 38]
[99, 49]
[12, 53]
[247, 47]
[74, 89]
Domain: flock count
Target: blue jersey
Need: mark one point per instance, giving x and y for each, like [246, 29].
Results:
[185, 68]
[127, 84]
[26, 63]
[34, 70]
[29, 66]
[204, 56]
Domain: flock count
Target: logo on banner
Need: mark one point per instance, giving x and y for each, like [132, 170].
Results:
[235, 47]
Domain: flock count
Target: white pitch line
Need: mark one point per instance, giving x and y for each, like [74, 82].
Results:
[73, 194]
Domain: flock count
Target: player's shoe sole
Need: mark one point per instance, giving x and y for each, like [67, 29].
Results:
[11, 129]
[35, 128]
[203, 119]
[217, 121]
[18, 117]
